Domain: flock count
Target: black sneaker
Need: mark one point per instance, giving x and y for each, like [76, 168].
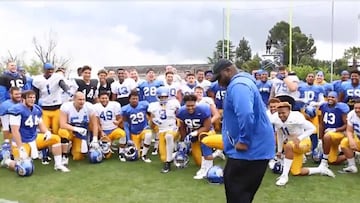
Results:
[166, 168]
[154, 152]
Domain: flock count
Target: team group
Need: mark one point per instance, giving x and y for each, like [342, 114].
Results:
[123, 113]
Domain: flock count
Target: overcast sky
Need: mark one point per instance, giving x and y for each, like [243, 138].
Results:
[158, 32]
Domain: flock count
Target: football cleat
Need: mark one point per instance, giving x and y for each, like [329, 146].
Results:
[65, 160]
[154, 152]
[24, 167]
[215, 175]
[282, 180]
[350, 169]
[61, 168]
[219, 153]
[146, 159]
[326, 172]
[122, 157]
[167, 167]
[200, 174]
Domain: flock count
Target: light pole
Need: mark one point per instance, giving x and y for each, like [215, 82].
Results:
[332, 42]
[223, 33]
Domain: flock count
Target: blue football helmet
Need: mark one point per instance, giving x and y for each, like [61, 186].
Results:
[131, 153]
[215, 175]
[24, 167]
[163, 92]
[186, 149]
[278, 167]
[181, 159]
[310, 111]
[95, 155]
[105, 145]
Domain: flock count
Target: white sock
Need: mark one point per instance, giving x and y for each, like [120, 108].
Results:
[351, 161]
[169, 139]
[58, 160]
[314, 170]
[325, 156]
[287, 166]
[144, 151]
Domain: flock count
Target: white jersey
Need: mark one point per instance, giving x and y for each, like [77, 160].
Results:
[296, 126]
[206, 100]
[123, 90]
[177, 78]
[186, 90]
[50, 91]
[281, 88]
[107, 114]
[77, 117]
[354, 121]
[205, 84]
[173, 89]
[166, 114]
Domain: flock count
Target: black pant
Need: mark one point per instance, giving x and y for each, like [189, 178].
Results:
[242, 179]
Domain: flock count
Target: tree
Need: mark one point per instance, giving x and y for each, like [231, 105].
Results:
[46, 51]
[34, 68]
[217, 54]
[302, 45]
[352, 53]
[243, 52]
[253, 64]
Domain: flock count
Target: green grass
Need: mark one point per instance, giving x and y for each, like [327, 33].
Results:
[113, 181]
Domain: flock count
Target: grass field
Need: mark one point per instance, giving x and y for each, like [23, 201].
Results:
[113, 181]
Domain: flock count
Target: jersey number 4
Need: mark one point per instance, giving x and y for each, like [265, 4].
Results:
[108, 115]
[30, 121]
[329, 118]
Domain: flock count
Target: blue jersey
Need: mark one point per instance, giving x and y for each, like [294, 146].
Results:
[337, 85]
[147, 90]
[265, 89]
[219, 93]
[136, 116]
[29, 120]
[328, 87]
[8, 80]
[332, 115]
[195, 120]
[350, 93]
[310, 92]
[5, 106]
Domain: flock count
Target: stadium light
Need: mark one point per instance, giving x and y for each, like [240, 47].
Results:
[332, 42]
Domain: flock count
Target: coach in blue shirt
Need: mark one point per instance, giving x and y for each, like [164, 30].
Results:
[247, 133]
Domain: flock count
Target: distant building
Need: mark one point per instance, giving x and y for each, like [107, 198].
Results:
[159, 69]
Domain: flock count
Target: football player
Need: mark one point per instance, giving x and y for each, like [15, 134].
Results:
[350, 90]
[351, 142]
[135, 76]
[104, 82]
[121, 88]
[199, 92]
[76, 118]
[48, 89]
[15, 97]
[293, 132]
[108, 114]
[264, 86]
[200, 80]
[345, 75]
[87, 85]
[25, 118]
[285, 86]
[135, 114]
[163, 114]
[217, 92]
[195, 124]
[10, 78]
[174, 88]
[312, 95]
[332, 125]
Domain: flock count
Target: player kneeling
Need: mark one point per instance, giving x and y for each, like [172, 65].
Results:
[135, 114]
[163, 113]
[108, 114]
[293, 132]
[25, 117]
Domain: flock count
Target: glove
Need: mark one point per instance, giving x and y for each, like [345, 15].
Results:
[156, 121]
[330, 130]
[280, 76]
[191, 137]
[94, 144]
[22, 153]
[187, 139]
[47, 135]
[313, 103]
[81, 131]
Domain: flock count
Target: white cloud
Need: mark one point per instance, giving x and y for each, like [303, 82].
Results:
[324, 50]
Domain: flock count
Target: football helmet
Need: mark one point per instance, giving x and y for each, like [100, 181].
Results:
[184, 148]
[181, 159]
[24, 167]
[131, 153]
[310, 111]
[278, 167]
[215, 175]
[105, 146]
[5, 150]
[162, 92]
[95, 155]
[317, 154]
